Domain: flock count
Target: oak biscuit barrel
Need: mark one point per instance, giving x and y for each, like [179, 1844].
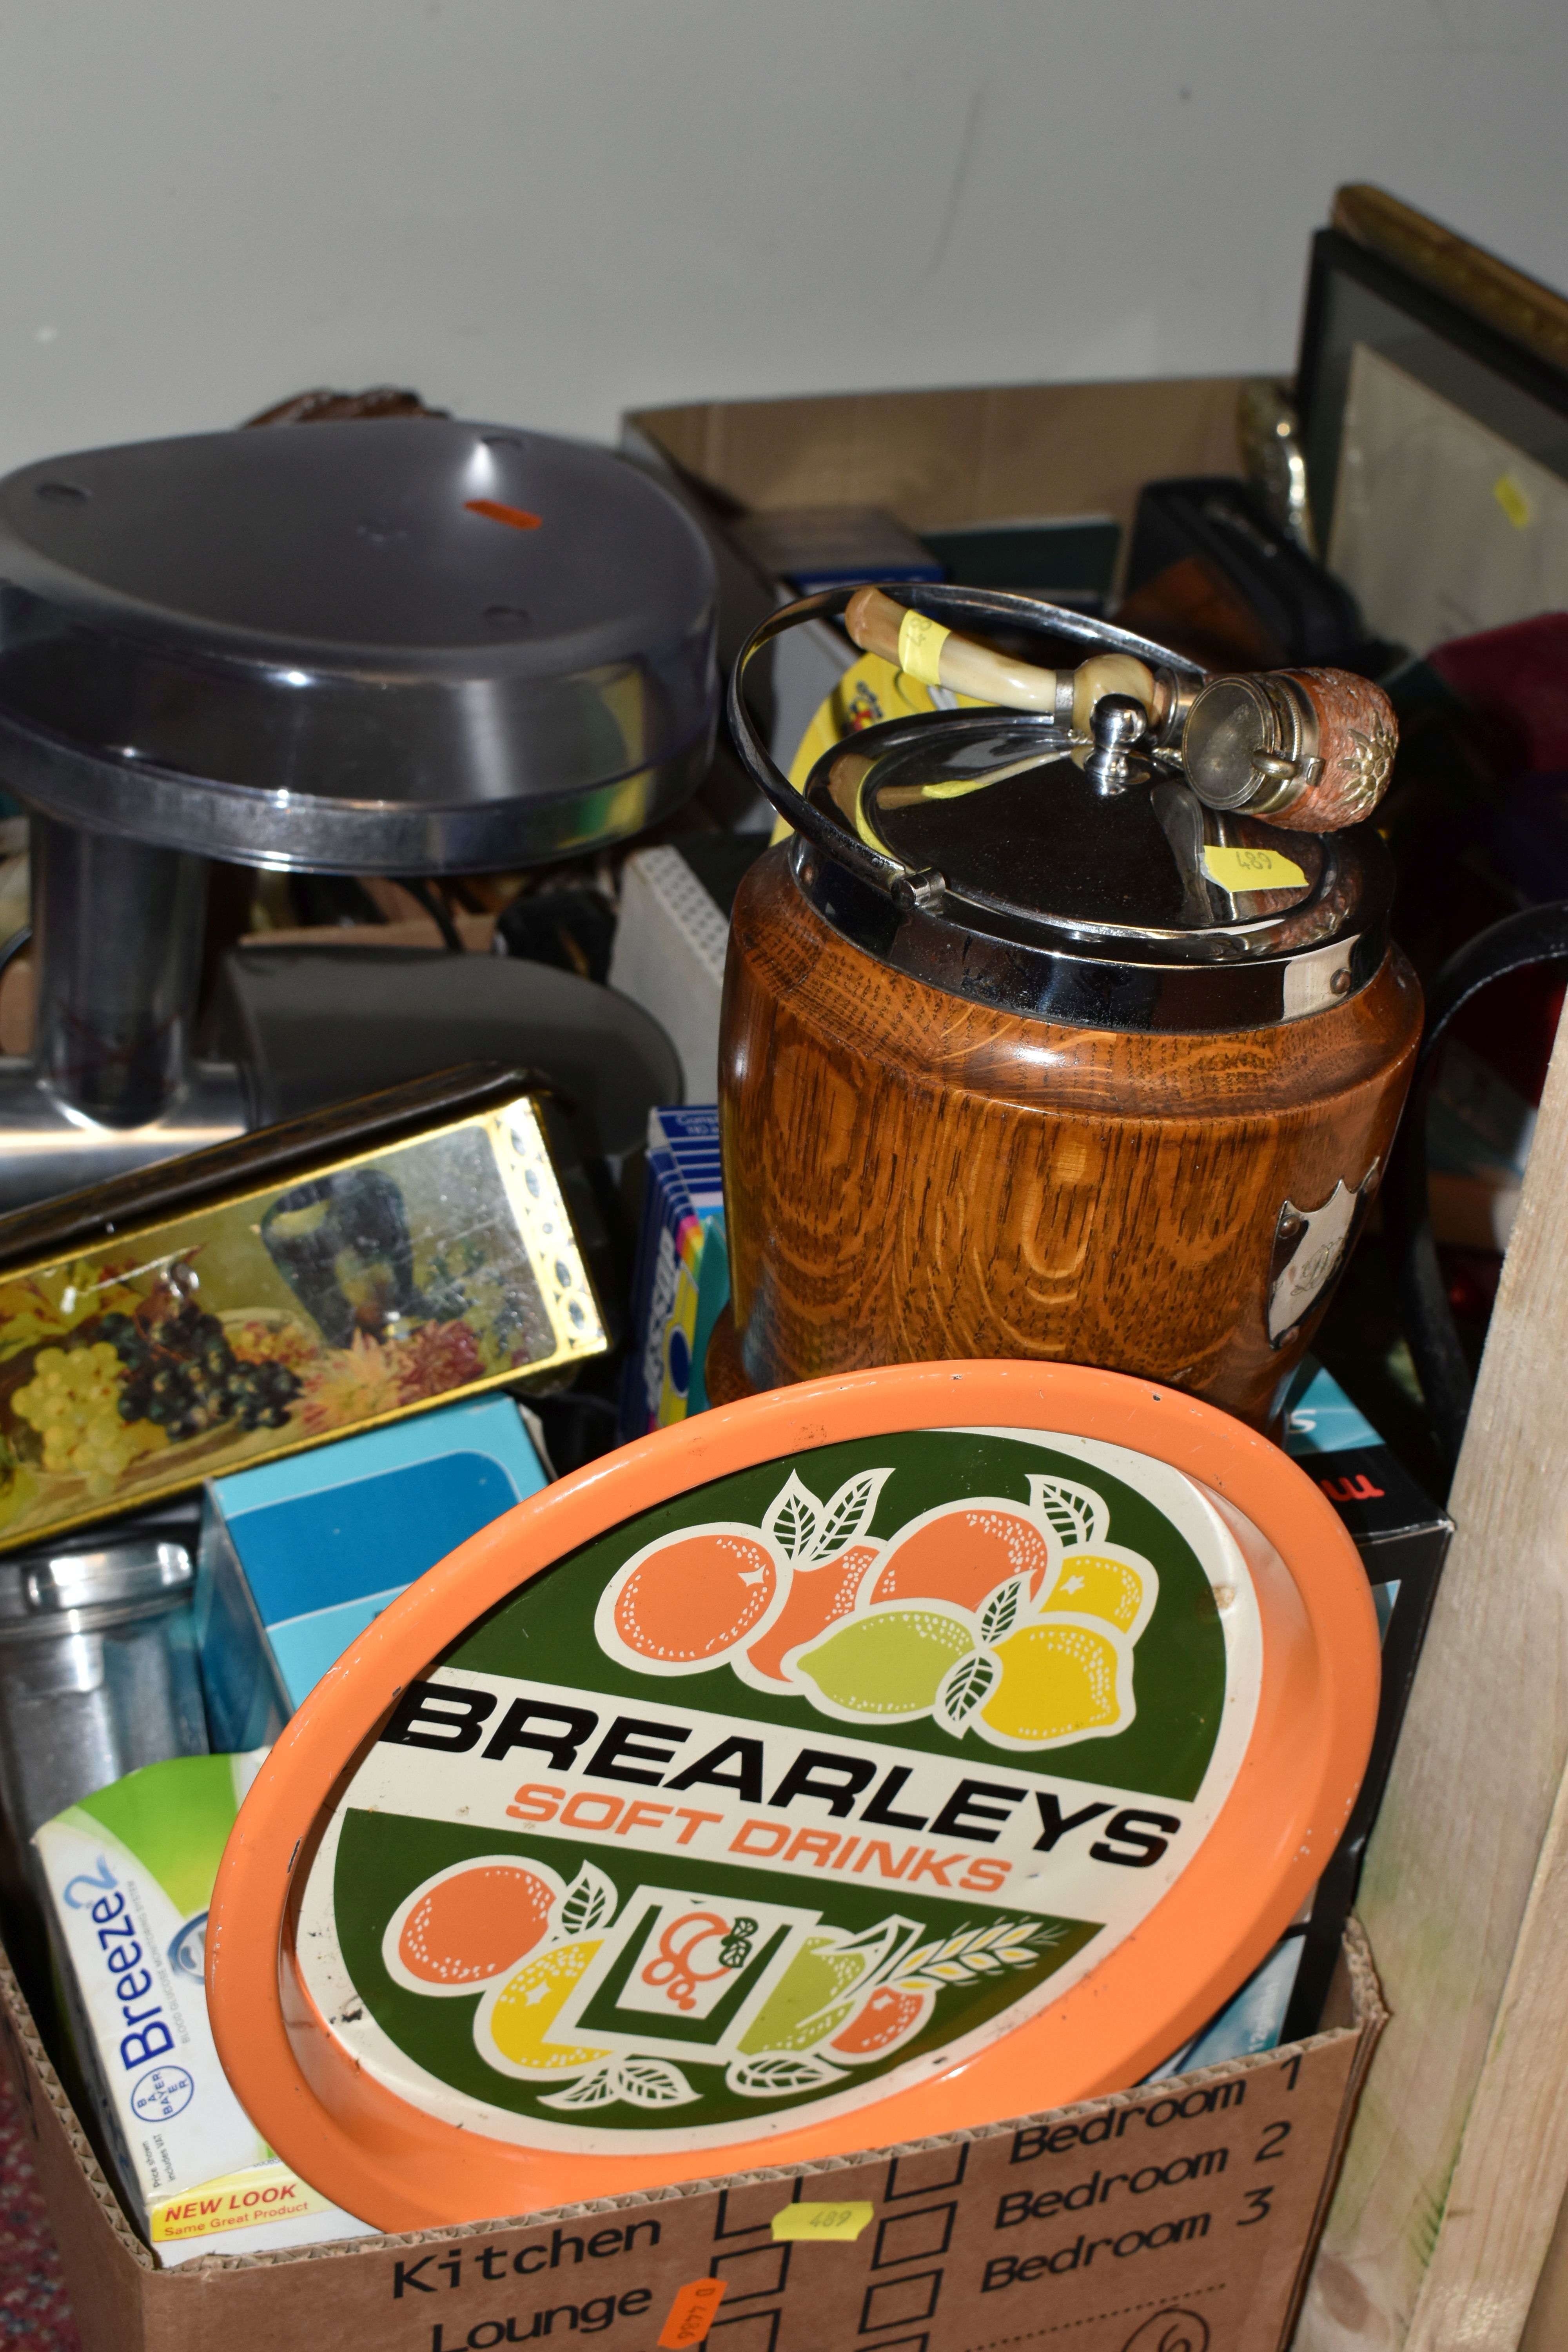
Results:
[1027, 1052]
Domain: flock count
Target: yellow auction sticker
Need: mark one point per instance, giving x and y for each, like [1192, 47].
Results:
[820, 2220]
[920, 641]
[1515, 506]
[1251, 869]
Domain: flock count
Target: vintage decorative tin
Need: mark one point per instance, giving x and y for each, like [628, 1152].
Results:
[312, 1278]
[876, 1758]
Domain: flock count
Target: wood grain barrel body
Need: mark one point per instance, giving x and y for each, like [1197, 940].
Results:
[908, 1175]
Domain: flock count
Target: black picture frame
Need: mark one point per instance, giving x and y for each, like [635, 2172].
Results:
[1355, 295]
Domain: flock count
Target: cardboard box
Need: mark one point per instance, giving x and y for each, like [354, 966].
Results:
[1006, 453]
[1184, 2211]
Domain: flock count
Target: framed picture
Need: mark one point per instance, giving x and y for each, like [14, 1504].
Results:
[1435, 441]
[284, 1295]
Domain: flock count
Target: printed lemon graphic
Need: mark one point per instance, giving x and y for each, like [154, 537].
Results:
[696, 1597]
[528, 2005]
[809, 1999]
[472, 1925]
[1055, 1680]
[963, 1553]
[887, 1663]
[817, 1597]
[1091, 1584]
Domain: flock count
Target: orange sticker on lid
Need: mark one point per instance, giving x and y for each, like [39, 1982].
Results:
[493, 510]
[691, 2312]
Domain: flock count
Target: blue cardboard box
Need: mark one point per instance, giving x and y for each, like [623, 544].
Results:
[297, 1557]
[681, 1278]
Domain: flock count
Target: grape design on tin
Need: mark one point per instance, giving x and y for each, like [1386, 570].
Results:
[128, 1382]
[182, 1375]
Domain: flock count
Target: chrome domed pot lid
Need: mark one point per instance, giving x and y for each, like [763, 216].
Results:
[997, 855]
[399, 645]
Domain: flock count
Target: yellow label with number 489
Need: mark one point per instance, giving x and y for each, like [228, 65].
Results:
[1251, 869]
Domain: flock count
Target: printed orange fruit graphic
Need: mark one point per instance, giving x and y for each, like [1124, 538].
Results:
[466, 1928]
[963, 1553]
[817, 1597]
[692, 1600]
[885, 2018]
[1013, 1622]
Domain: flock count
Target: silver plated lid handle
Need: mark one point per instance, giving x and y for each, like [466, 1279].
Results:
[953, 608]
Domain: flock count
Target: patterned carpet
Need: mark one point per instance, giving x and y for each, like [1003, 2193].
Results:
[35, 2308]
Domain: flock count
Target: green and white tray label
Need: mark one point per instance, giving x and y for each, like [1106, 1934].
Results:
[790, 1793]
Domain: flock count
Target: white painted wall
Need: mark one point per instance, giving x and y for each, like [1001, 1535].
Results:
[547, 211]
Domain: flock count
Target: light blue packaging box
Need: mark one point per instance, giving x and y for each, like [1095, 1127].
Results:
[298, 1557]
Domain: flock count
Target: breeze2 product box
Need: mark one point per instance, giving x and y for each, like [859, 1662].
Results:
[298, 1557]
[128, 1874]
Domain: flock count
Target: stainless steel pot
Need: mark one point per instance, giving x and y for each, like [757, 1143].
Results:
[97, 1676]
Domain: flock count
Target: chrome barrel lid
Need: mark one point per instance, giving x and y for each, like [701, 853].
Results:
[997, 856]
[46, 1594]
[384, 646]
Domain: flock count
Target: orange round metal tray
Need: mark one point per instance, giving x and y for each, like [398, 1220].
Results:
[877, 1758]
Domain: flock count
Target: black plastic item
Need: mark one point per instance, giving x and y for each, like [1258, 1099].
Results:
[579, 1424]
[720, 862]
[1402, 1537]
[1310, 616]
[316, 1025]
[405, 646]
[572, 928]
[1538, 935]
[425, 896]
